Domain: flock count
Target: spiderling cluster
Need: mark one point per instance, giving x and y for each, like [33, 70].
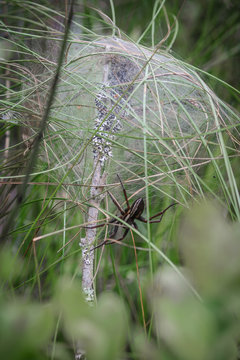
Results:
[111, 104]
[107, 124]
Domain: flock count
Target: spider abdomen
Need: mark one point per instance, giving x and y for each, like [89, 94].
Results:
[137, 208]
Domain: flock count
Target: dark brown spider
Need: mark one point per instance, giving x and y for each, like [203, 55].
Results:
[129, 215]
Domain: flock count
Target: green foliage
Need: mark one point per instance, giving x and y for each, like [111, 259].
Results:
[26, 328]
[183, 328]
[207, 34]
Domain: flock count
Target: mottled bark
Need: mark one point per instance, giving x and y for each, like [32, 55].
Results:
[87, 242]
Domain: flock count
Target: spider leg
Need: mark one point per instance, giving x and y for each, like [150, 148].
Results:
[93, 227]
[120, 239]
[115, 230]
[124, 192]
[162, 212]
[107, 242]
[114, 200]
[101, 244]
[135, 225]
[154, 216]
[100, 225]
[153, 221]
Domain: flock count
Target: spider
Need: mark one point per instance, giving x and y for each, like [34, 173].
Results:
[129, 215]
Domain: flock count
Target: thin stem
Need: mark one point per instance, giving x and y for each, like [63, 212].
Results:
[88, 256]
[38, 139]
[139, 284]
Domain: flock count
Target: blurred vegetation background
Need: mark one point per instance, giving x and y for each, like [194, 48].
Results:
[208, 34]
